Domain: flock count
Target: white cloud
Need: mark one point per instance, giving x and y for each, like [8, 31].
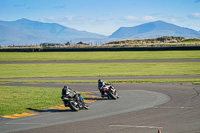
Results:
[173, 20]
[74, 19]
[149, 18]
[69, 18]
[65, 20]
[139, 19]
[131, 18]
[49, 19]
[195, 15]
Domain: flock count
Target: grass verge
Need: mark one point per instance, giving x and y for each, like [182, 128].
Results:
[194, 80]
[119, 55]
[97, 69]
[17, 99]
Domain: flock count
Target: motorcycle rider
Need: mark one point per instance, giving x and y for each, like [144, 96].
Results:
[68, 91]
[102, 84]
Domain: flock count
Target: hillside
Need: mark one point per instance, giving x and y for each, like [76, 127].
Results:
[154, 30]
[27, 32]
[160, 41]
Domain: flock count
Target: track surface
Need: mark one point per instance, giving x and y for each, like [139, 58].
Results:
[180, 114]
[102, 108]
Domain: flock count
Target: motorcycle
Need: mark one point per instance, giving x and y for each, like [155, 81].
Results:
[75, 101]
[107, 90]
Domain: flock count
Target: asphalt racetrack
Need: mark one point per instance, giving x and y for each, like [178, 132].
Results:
[142, 107]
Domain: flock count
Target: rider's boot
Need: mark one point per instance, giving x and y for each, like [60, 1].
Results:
[103, 94]
[86, 106]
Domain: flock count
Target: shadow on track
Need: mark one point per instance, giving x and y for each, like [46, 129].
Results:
[65, 110]
[97, 99]
[49, 110]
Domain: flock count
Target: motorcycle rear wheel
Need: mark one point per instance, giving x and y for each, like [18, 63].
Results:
[73, 106]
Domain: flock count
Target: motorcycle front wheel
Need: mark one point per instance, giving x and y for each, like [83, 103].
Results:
[112, 94]
[74, 105]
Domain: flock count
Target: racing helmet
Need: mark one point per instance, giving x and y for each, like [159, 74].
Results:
[65, 87]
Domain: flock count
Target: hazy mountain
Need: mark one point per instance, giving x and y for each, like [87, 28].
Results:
[24, 31]
[154, 30]
[27, 32]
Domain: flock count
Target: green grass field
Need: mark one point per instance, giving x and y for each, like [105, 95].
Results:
[46, 56]
[97, 69]
[18, 99]
[15, 99]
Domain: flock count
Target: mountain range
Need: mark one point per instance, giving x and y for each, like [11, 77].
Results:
[27, 32]
[153, 30]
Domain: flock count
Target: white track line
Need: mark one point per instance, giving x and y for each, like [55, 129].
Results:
[134, 126]
[165, 107]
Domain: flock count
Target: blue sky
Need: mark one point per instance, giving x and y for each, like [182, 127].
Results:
[103, 16]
